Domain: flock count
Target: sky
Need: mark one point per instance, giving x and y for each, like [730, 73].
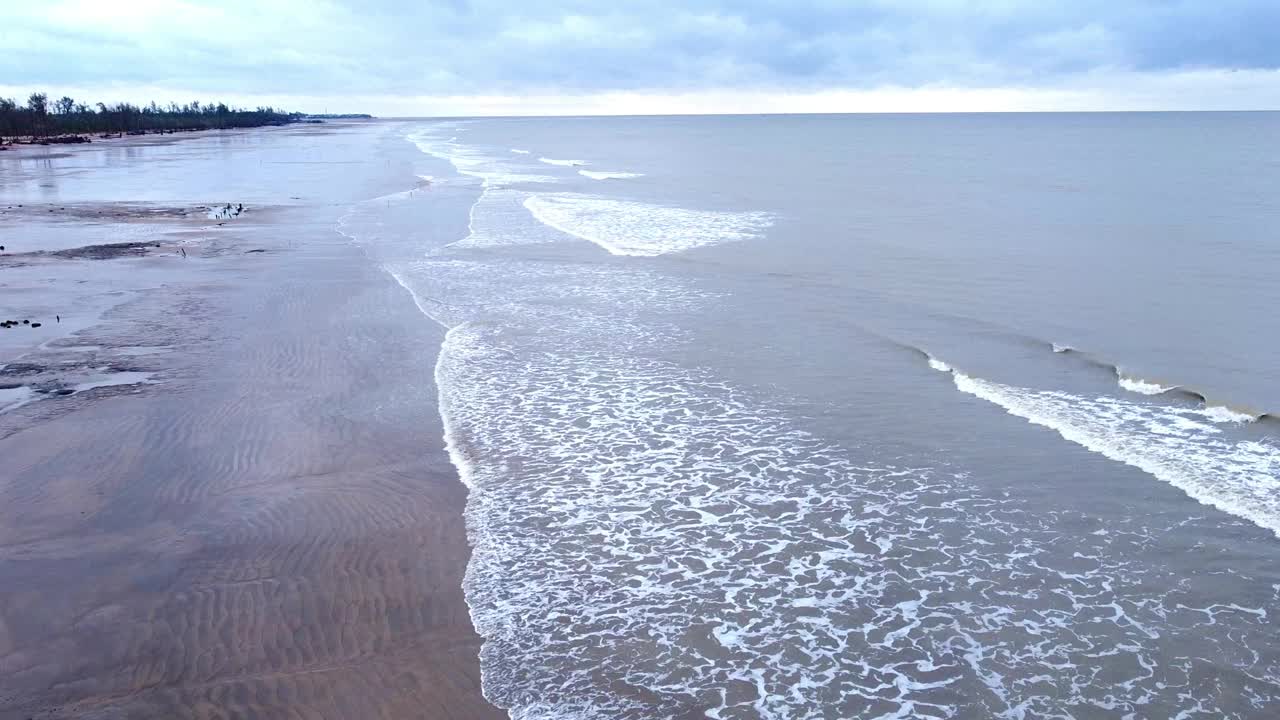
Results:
[539, 57]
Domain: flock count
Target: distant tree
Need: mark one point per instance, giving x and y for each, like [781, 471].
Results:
[38, 103]
[38, 106]
[9, 119]
[39, 117]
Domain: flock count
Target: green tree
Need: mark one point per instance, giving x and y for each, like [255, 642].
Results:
[38, 106]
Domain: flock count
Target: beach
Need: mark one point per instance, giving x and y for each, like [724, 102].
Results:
[225, 492]
[937, 416]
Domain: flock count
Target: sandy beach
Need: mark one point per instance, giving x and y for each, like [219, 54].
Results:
[224, 491]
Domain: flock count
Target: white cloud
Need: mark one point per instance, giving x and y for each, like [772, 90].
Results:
[1097, 91]
[471, 56]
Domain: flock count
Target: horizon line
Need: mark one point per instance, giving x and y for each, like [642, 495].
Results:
[802, 113]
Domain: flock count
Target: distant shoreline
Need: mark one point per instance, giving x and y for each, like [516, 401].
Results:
[99, 140]
[65, 121]
[8, 143]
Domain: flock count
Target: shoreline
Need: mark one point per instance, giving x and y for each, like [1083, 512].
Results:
[7, 145]
[272, 528]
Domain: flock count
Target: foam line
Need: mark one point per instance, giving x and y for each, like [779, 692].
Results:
[1173, 444]
[601, 175]
[640, 229]
[562, 163]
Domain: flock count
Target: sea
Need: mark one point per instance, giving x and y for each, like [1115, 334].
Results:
[862, 416]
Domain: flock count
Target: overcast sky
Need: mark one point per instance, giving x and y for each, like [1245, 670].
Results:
[426, 57]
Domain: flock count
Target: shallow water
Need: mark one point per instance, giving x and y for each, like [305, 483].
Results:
[898, 416]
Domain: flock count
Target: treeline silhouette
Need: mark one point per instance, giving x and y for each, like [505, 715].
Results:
[41, 118]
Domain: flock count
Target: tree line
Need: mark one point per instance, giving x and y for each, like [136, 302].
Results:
[41, 117]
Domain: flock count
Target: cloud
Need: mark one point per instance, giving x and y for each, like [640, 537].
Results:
[394, 49]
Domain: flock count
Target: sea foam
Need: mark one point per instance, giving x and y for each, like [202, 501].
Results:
[601, 175]
[650, 540]
[1174, 444]
[472, 161]
[641, 229]
[1140, 386]
[670, 531]
[563, 163]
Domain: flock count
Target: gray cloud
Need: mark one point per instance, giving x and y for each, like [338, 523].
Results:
[467, 47]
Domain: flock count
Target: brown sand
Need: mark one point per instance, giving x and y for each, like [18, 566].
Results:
[274, 532]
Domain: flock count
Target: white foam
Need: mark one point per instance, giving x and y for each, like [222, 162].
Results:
[519, 152]
[471, 160]
[14, 398]
[1140, 386]
[499, 219]
[1238, 477]
[562, 163]
[653, 505]
[641, 229]
[601, 175]
[938, 365]
[1061, 348]
[1224, 414]
[636, 524]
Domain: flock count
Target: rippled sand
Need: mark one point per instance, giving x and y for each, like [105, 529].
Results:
[270, 530]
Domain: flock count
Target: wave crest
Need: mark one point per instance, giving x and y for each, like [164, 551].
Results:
[1140, 386]
[1173, 444]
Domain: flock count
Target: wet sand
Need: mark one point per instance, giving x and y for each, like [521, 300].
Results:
[269, 529]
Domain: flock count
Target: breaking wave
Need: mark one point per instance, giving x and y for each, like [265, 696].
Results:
[1140, 386]
[1173, 444]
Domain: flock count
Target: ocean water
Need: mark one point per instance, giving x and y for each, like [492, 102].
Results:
[858, 416]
